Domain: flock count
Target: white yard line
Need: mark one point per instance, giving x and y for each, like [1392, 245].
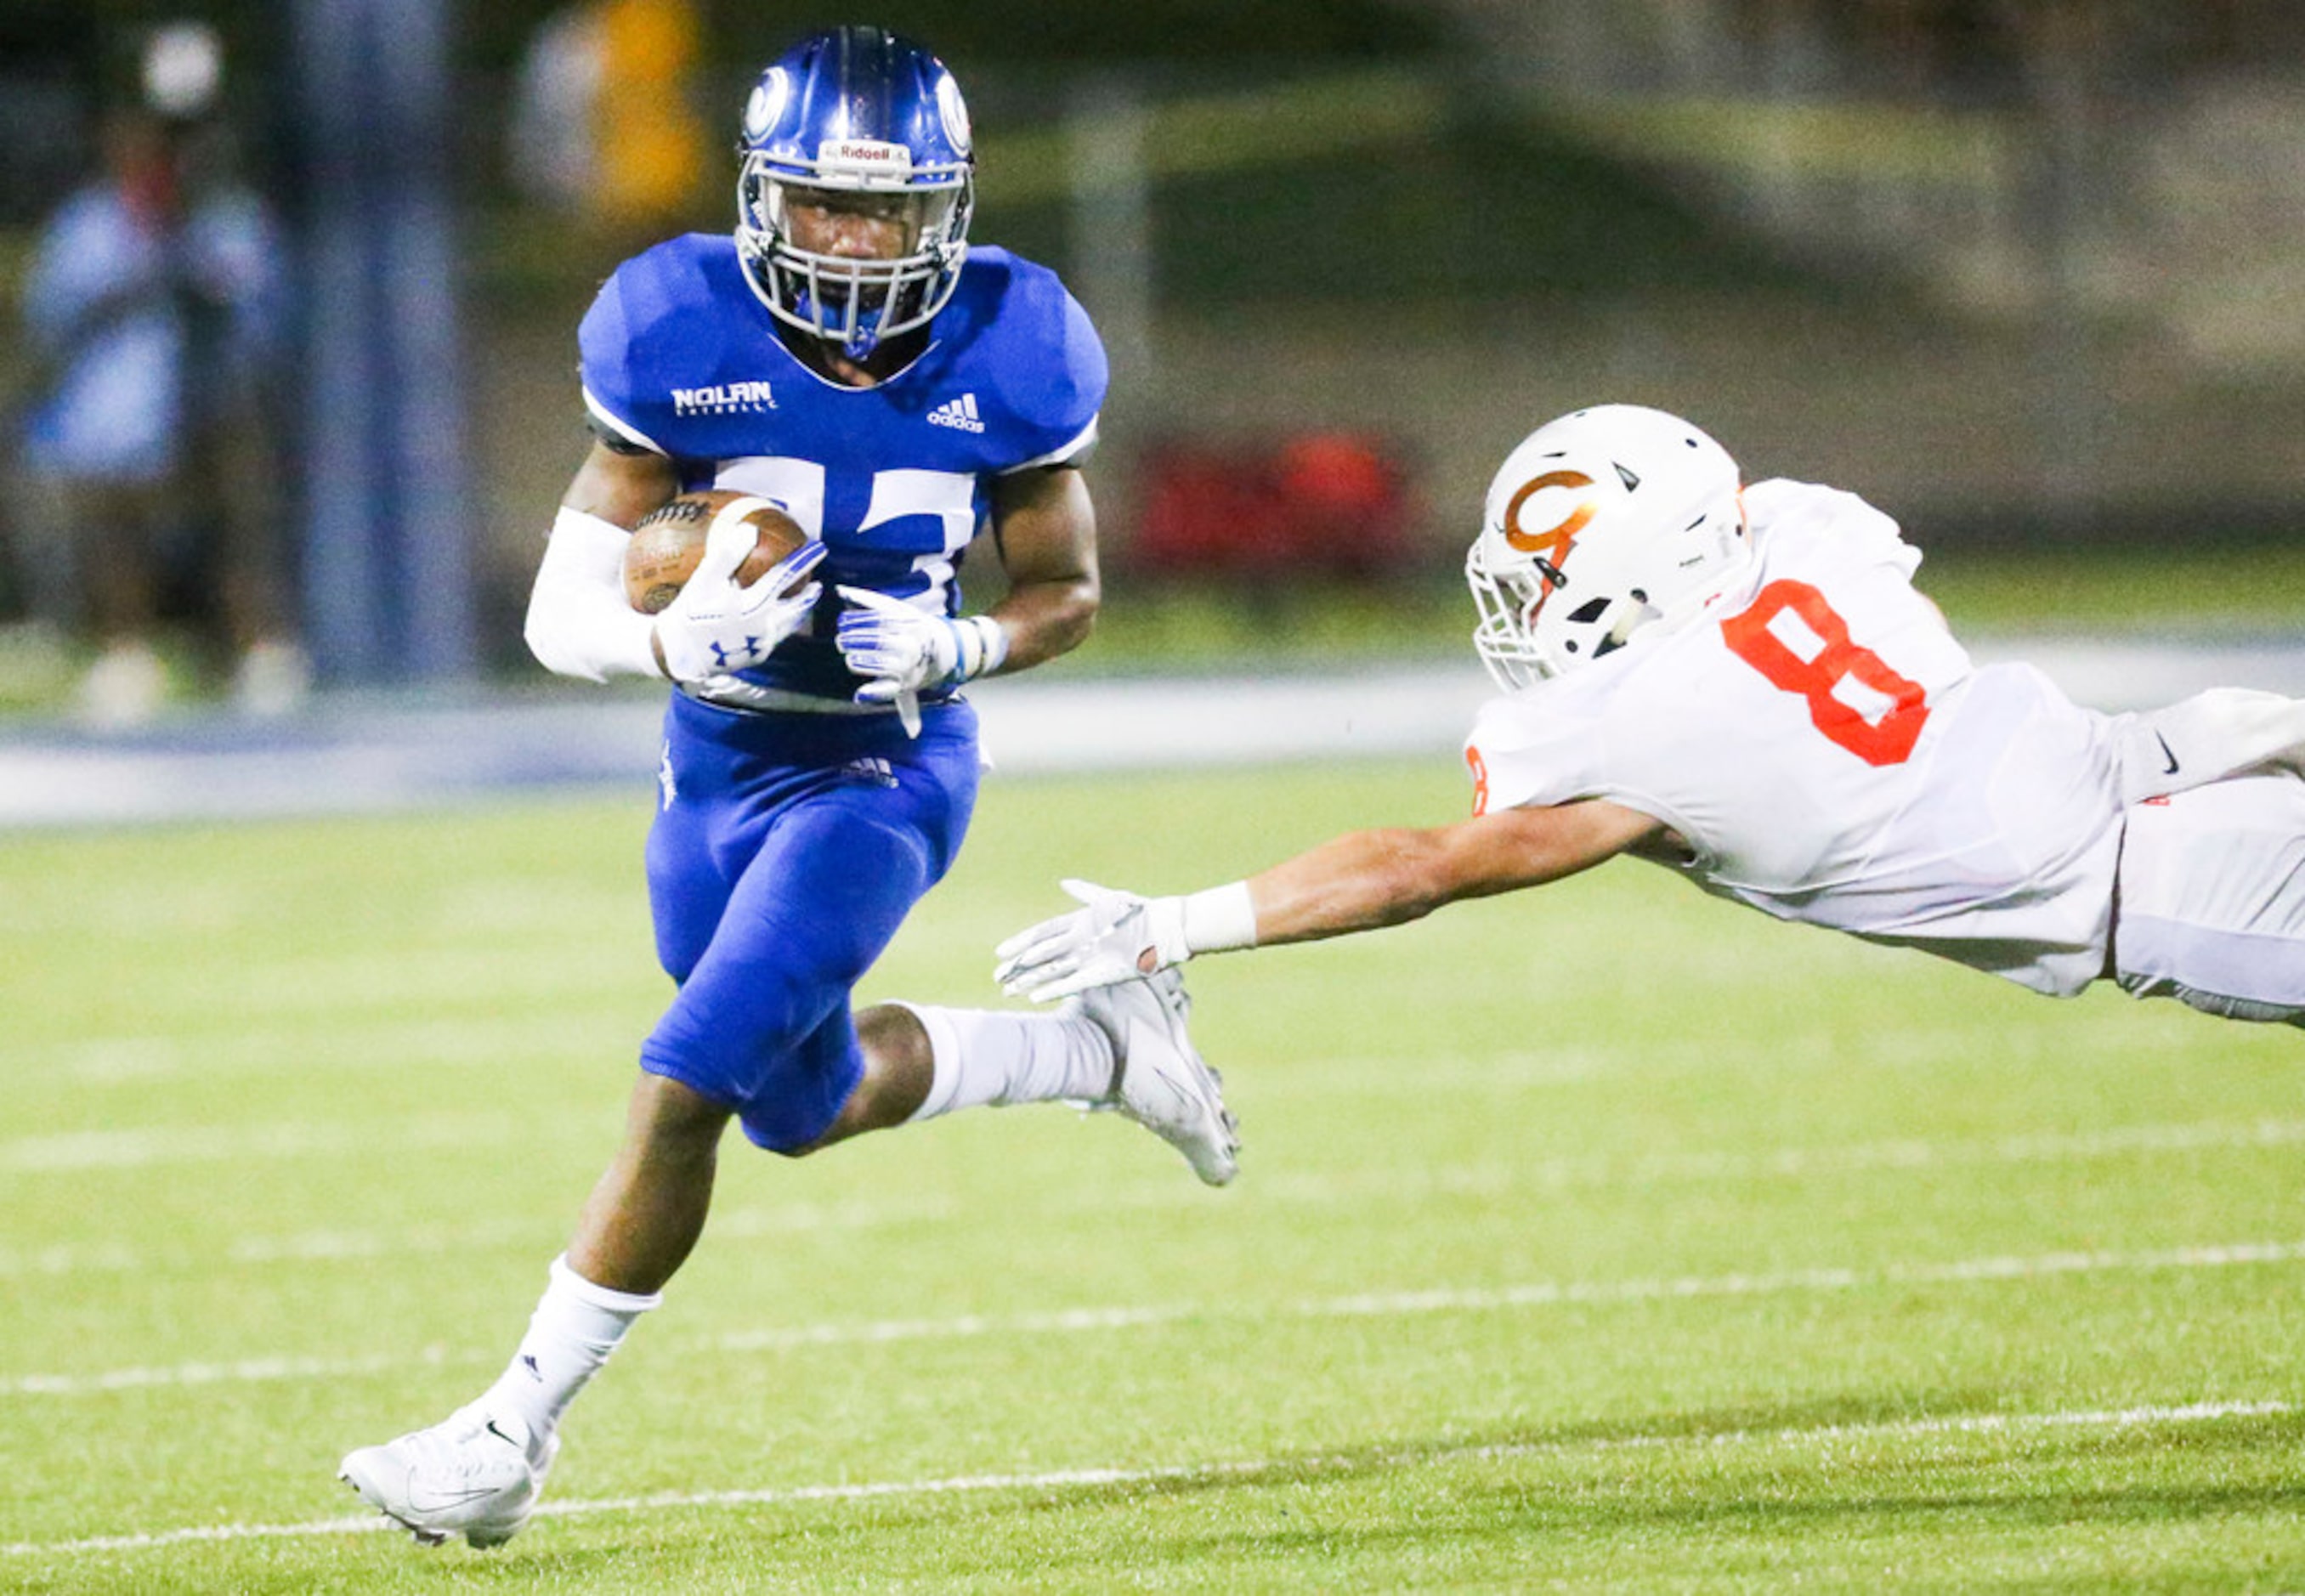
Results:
[336, 1042]
[329, 1046]
[1374, 1304]
[433, 1241]
[242, 1371]
[1637, 1170]
[1832, 1435]
[77, 1151]
[1480, 1179]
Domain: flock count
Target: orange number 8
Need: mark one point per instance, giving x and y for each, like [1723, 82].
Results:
[1888, 741]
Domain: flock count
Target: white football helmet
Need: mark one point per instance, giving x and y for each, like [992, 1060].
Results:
[1600, 523]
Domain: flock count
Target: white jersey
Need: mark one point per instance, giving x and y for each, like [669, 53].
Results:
[1831, 756]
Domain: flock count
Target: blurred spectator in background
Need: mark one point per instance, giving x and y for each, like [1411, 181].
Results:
[1278, 514]
[155, 308]
[605, 127]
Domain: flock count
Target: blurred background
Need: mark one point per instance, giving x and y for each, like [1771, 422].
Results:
[2029, 273]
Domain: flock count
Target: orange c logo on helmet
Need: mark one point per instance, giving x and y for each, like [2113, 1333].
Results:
[1550, 548]
[1553, 546]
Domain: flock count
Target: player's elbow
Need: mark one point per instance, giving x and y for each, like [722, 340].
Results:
[1080, 597]
[1060, 616]
[1078, 619]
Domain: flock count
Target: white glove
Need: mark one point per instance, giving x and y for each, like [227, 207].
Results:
[901, 650]
[1118, 936]
[714, 626]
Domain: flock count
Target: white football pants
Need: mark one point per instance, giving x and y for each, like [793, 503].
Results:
[2212, 907]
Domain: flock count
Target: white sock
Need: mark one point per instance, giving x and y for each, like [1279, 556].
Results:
[575, 1327]
[1004, 1057]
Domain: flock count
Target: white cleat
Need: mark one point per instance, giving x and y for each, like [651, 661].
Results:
[1159, 1079]
[469, 1475]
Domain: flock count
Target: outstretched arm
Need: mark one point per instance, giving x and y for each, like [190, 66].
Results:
[1357, 882]
[1370, 878]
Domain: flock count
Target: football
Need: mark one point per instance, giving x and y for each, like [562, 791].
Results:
[669, 541]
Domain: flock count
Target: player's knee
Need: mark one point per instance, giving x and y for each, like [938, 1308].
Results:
[670, 1120]
[896, 1044]
[898, 1067]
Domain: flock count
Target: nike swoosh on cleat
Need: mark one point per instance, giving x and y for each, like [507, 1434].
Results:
[500, 1435]
[447, 1498]
[2167, 753]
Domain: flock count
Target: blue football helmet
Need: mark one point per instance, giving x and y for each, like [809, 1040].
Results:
[860, 111]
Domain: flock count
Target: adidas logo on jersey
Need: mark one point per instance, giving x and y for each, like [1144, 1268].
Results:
[959, 412]
[722, 398]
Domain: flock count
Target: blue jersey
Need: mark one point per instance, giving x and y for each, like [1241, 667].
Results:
[680, 356]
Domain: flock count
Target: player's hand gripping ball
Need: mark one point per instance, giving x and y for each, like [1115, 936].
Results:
[669, 543]
[716, 623]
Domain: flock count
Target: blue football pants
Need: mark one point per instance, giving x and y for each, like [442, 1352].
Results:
[786, 851]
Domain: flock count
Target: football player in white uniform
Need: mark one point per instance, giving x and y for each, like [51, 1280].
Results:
[1742, 684]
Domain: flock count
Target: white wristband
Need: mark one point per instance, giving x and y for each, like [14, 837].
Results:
[983, 645]
[1221, 919]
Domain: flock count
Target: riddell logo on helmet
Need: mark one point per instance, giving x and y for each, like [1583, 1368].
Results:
[870, 154]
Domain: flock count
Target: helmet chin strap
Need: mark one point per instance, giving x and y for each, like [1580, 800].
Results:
[1636, 614]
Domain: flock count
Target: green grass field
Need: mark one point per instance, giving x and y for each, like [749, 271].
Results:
[1604, 1238]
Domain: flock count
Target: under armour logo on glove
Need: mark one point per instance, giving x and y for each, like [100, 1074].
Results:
[749, 648]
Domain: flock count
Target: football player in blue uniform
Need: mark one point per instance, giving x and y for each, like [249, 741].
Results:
[848, 357]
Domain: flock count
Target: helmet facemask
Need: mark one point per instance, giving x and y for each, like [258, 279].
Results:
[1511, 594]
[854, 302]
[856, 118]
